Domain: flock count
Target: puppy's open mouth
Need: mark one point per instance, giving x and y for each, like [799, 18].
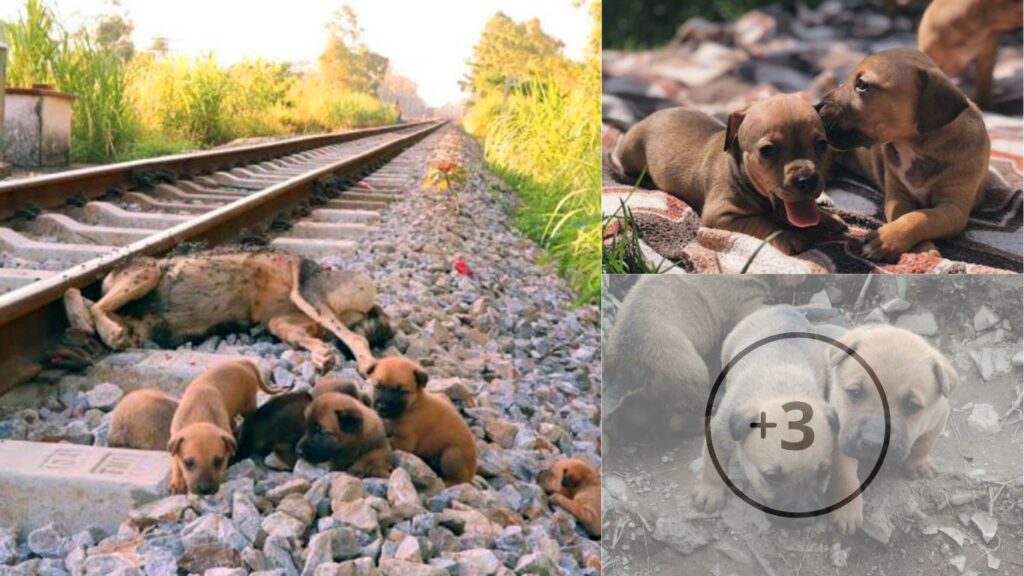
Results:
[802, 213]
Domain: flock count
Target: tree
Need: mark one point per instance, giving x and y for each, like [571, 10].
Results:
[510, 52]
[347, 62]
[404, 92]
[161, 46]
[114, 34]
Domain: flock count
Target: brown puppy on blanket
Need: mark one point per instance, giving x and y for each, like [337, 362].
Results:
[759, 174]
[179, 298]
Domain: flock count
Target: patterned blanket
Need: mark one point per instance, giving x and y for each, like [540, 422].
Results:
[718, 68]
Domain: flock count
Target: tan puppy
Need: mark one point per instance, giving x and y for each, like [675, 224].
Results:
[955, 33]
[655, 375]
[917, 381]
[421, 422]
[202, 439]
[760, 173]
[575, 486]
[787, 462]
[343, 430]
[142, 420]
[919, 139]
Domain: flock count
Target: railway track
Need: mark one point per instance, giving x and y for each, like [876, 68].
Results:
[312, 196]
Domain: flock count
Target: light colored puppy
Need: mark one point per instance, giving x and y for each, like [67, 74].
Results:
[142, 420]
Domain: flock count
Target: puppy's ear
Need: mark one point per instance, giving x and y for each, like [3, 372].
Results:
[350, 421]
[229, 443]
[732, 127]
[945, 374]
[739, 424]
[570, 479]
[175, 443]
[940, 101]
[421, 376]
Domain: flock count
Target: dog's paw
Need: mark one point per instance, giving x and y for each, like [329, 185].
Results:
[111, 333]
[177, 486]
[709, 498]
[790, 243]
[832, 224]
[559, 500]
[849, 518]
[884, 245]
[927, 247]
[921, 468]
[365, 365]
[323, 359]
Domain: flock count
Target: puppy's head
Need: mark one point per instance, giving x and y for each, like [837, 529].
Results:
[1005, 14]
[397, 384]
[335, 427]
[329, 384]
[566, 477]
[203, 451]
[790, 467]
[917, 381]
[781, 147]
[890, 96]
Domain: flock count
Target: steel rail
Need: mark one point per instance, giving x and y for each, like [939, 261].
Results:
[32, 318]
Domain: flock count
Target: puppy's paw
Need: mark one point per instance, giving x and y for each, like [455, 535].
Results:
[884, 245]
[177, 486]
[790, 243]
[708, 497]
[849, 518]
[831, 224]
[927, 247]
[921, 468]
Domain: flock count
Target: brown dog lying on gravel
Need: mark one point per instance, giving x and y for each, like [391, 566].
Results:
[202, 430]
[142, 420]
[575, 486]
[179, 298]
[423, 423]
[341, 428]
[759, 174]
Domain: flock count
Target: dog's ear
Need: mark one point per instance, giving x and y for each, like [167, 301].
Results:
[570, 479]
[175, 443]
[350, 421]
[945, 374]
[229, 443]
[940, 101]
[421, 376]
[732, 127]
[740, 424]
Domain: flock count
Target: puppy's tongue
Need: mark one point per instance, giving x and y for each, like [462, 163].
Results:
[802, 214]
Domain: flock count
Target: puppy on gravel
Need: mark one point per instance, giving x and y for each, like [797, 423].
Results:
[276, 427]
[202, 439]
[758, 174]
[787, 460]
[654, 369]
[909, 130]
[341, 428]
[142, 420]
[575, 486]
[917, 380]
[423, 423]
[955, 33]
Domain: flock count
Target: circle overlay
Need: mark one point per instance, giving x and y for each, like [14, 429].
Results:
[721, 380]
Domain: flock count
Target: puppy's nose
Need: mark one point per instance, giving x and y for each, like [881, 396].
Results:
[806, 183]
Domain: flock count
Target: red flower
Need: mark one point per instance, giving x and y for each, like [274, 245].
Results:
[462, 268]
[446, 166]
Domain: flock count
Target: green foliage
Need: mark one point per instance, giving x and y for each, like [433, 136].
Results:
[510, 53]
[346, 62]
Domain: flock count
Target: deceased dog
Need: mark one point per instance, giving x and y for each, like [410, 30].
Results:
[917, 381]
[787, 465]
[758, 174]
[423, 423]
[142, 420]
[955, 33]
[913, 134]
[655, 373]
[202, 430]
[575, 486]
[175, 299]
[342, 429]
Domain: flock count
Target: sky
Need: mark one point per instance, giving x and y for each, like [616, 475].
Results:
[429, 42]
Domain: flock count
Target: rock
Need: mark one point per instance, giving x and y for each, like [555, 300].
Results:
[319, 552]
[48, 541]
[870, 25]
[453, 388]
[294, 486]
[283, 525]
[408, 550]
[346, 488]
[358, 514]
[537, 563]
[954, 534]
[402, 494]
[107, 564]
[985, 360]
[201, 557]
[876, 316]
[245, 516]
[921, 323]
[104, 396]
[678, 534]
[838, 555]
[753, 28]
[984, 319]
[477, 562]
[392, 567]
[213, 529]
[984, 419]
[895, 306]
[168, 509]
[959, 562]
[502, 432]
[986, 524]
[8, 545]
[159, 562]
[423, 476]
[358, 567]
[279, 555]
[820, 299]
[226, 572]
[295, 505]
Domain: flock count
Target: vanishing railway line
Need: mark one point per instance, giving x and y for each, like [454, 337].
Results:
[312, 196]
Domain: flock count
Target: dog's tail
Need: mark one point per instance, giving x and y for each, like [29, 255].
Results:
[261, 381]
[377, 327]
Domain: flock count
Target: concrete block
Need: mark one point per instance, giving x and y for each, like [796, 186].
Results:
[167, 370]
[29, 249]
[349, 216]
[70, 230]
[227, 179]
[148, 201]
[179, 193]
[196, 187]
[328, 231]
[344, 204]
[314, 248]
[108, 214]
[14, 278]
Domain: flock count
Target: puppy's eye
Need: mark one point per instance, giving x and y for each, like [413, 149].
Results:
[860, 85]
[855, 393]
[189, 463]
[768, 151]
[910, 406]
[217, 462]
[821, 146]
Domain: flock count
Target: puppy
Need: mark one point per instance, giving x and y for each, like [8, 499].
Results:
[782, 383]
[142, 420]
[421, 422]
[758, 174]
[202, 439]
[276, 427]
[575, 486]
[917, 381]
[912, 133]
[955, 33]
[654, 370]
[342, 429]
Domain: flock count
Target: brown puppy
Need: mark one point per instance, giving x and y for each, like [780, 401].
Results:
[917, 137]
[175, 299]
[955, 33]
[759, 174]
[917, 381]
[575, 486]
[142, 420]
[421, 422]
[341, 429]
[202, 441]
